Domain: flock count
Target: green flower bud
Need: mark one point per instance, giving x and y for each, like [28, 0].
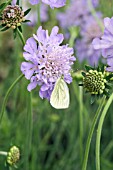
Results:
[94, 82]
[13, 155]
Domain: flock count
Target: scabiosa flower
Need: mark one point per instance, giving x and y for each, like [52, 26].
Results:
[33, 15]
[84, 48]
[105, 43]
[47, 61]
[74, 14]
[52, 3]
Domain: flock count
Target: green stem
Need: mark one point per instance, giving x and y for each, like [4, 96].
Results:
[10, 168]
[99, 131]
[94, 13]
[84, 165]
[108, 149]
[74, 31]
[3, 153]
[39, 19]
[29, 131]
[81, 121]
[21, 36]
[7, 95]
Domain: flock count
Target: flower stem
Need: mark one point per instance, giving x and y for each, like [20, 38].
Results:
[29, 131]
[93, 12]
[10, 168]
[7, 95]
[99, 131]
[3, 153]
[21, 36]
[84, 165]
[39, 19]
[81, 121]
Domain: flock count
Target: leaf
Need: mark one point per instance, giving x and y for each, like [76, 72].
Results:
[27, 11]
[109, 76]
[20, 29]
[88, 68]
[93, 98]
[106, 93]
[103, 68]
[108, 86]
[26, 21]
[2, 5]
[2, 26]
[17, 3]
[15, 33]
[98, 69]
[5, 29]
[84, 74]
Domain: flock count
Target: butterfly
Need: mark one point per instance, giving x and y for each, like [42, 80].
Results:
[60, 95]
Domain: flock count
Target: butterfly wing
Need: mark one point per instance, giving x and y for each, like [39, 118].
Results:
[60, 95]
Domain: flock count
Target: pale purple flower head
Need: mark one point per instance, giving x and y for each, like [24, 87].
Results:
[85, 51]
[46, 60]
[105, 43]
[74, 14]
[84, 48]
[52, 3]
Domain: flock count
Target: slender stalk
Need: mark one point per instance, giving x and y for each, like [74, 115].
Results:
[21, 36]
[85, 160]
[29, 118]
[81, 121]
[108, 149]
[3, 153]
[10, 168]
[39, 17]
[7, 95]
[29, 130]
[99, 131]
[74, 31]
[94, 13]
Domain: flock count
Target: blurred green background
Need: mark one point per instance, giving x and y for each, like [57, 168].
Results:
[56, 141]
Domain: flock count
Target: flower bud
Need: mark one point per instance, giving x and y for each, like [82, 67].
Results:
[94, 82]
[13, 155]
[12, 16]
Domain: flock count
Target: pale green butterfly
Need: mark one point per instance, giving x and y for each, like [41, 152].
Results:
[60, 95]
